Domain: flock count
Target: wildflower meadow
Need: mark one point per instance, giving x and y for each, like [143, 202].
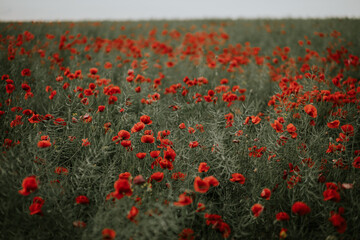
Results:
[197, 129]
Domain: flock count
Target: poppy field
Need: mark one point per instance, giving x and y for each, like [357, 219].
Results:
[202, 129]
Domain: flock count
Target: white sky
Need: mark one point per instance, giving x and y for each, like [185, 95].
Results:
[27, 10]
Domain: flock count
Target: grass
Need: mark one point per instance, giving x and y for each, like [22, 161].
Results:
[280, 66]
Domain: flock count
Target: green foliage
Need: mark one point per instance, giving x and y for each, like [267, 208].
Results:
[93, 169]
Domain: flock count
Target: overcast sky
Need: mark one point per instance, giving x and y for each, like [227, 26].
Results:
[52, 10]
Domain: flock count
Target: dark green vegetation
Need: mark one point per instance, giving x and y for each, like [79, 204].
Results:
[264, 75]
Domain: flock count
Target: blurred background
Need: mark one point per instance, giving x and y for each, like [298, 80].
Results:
[53, 10]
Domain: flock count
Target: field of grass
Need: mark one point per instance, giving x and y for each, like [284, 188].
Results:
[211, 129]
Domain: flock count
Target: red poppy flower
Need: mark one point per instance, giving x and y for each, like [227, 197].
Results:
[282, 216]
[107, 65]
[348, 129]
[125, 175]
[154, 154]
[334, 124]
[35, 118]
[125, 143]
[169, 154]
[311, 110]
[237, 177]
[193, 144]
[123, 134]
[29, 185]
[35, 207]
[292, 130]
[26, 87]
[277, 126]
[257, 209]
[44, 144]
[200, 207]
[200, 185]
[82, 199]
[224, 229]
[300, 208]
[139, 180]
[112, 100]
[147, 139]
[9, 88]
[191, 130]
[182, 126]
[331, 194]
[137, 127]
[338, 222]
[265, 193]
[85, 142]
[145, 119]
[108, 234]
[101, 108]
[356, 162]
[148, 132]
[184, 200]
[122, 187]
[203, 167]
[212, 181]
[26, 72]
[158, 176]
[141, 155]
[93, 71]
[218, 223]
[138, 89]
[255, 119]
[170, 64]
[61, 170]
[212, 218]
[132, 214]
[186, 234]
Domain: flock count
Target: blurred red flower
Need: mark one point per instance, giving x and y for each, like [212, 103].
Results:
[300, 208]
[184, 200]
[123, 134]
[147, 139]
[29, 185]
[333, 124]
[338, 221]
[132, 214]
[237, 177]
[85, 142]
[61, 170]
[26, 72]
[101, 108]
[35, 207]
[141, 155]
[186, 234]
[203, 167]
[282, 216]
[137, 127]
[81, 199]
[93, 71]
[158, 176]
[108, 234]
[154, 154]
[356, 162]
[145, 119]
[257, 209]
[311, 110]
[200, 185]
[265, 193]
